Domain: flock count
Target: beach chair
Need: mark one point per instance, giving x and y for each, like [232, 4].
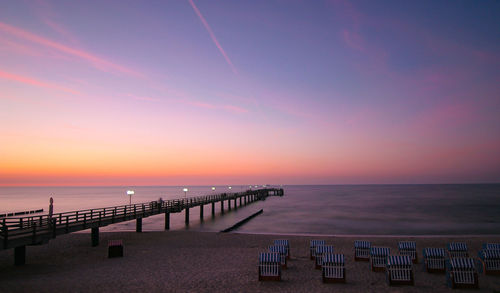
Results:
[320, 251]
[408, 248]
[282, 252]
[115, 248]
[434, 260]
[362, 250]
[283, 242]
[333, 268]
[312, 247]
[378, 258]
[269, 266]
[399, 270]
[461, 273]
[490, 261]
[491, 246]
[457, 249]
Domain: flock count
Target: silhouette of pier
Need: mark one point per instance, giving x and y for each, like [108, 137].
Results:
[18, 232]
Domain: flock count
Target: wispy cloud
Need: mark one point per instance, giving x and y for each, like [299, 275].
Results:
[34, 82]
[97, 62]
[212, 35]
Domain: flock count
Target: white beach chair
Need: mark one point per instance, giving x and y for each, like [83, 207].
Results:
[362, 250]
[320, 251]
[399, 270]
[282, 250]
[378, 258]
[457, 249]
[283, 242]
[461, 273]
[408, 248]
[434, 260]
[269, 266]
[333, 268]
[312, 247]
[490, 261]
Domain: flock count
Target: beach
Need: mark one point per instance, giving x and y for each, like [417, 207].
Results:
[188, 261]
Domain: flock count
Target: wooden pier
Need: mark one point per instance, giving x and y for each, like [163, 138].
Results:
[17, 232]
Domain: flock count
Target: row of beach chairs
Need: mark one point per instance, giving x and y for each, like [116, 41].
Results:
[460, 268]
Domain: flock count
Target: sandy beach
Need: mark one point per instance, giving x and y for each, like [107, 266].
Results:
[185, 261]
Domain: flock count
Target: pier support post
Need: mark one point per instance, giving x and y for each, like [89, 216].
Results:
[213, 209]
[95, 236]
[187, 217]
[240, 201]
[138, 225]
[221, 206]
[20, 255]
[201, 212]
[229, 204]
[167, 221]
[235, 203]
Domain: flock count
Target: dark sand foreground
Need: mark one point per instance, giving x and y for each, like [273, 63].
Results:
[184, 261]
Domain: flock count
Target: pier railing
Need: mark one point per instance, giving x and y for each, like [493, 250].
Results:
[37, 229]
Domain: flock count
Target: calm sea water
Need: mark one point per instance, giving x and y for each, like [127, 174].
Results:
[330, 209]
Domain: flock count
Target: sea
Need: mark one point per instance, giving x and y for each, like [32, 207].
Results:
[436, 209]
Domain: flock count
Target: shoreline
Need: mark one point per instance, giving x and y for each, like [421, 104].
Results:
[195, 261]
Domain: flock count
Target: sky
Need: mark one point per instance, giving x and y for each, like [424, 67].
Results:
[249, 92]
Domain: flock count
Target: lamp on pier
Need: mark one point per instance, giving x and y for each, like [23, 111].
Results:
[130, 193]
[185, 192]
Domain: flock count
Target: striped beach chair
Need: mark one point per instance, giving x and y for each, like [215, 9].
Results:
[399, 270]
[362, 250]
[434, 260]
[312, 247]
[282, 252]
[490, 261]
[378, 258]
[320, 251]
[408, 248]
[461, 273]
[283, 242]
[269, 266]
[457, 249]
[333, 268]
[491, 246]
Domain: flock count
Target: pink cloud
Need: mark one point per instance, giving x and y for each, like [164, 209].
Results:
[212, 35]
[353, 40]
[99, 63]
[235, 109]
[34, 82]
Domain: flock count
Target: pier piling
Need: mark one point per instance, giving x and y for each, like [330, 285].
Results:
[167, 221]
[138, 225]
[20, 255]
[187, 217]
[201, 212]
[95, 236]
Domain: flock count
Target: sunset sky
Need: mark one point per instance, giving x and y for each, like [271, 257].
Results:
[249, 92]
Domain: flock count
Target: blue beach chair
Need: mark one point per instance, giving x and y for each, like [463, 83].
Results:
[333, 268]
[269, 266]
[408, 248]
[461, 273]
[362, 250]
[399, 270]
[283, 242]
[312, 247]
[457, 249]
[434, 260]
[378, 258]
[320, 251]
[282, 252]
[491, 246]
[490, 261]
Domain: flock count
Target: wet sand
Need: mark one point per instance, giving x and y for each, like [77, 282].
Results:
[185, 261]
